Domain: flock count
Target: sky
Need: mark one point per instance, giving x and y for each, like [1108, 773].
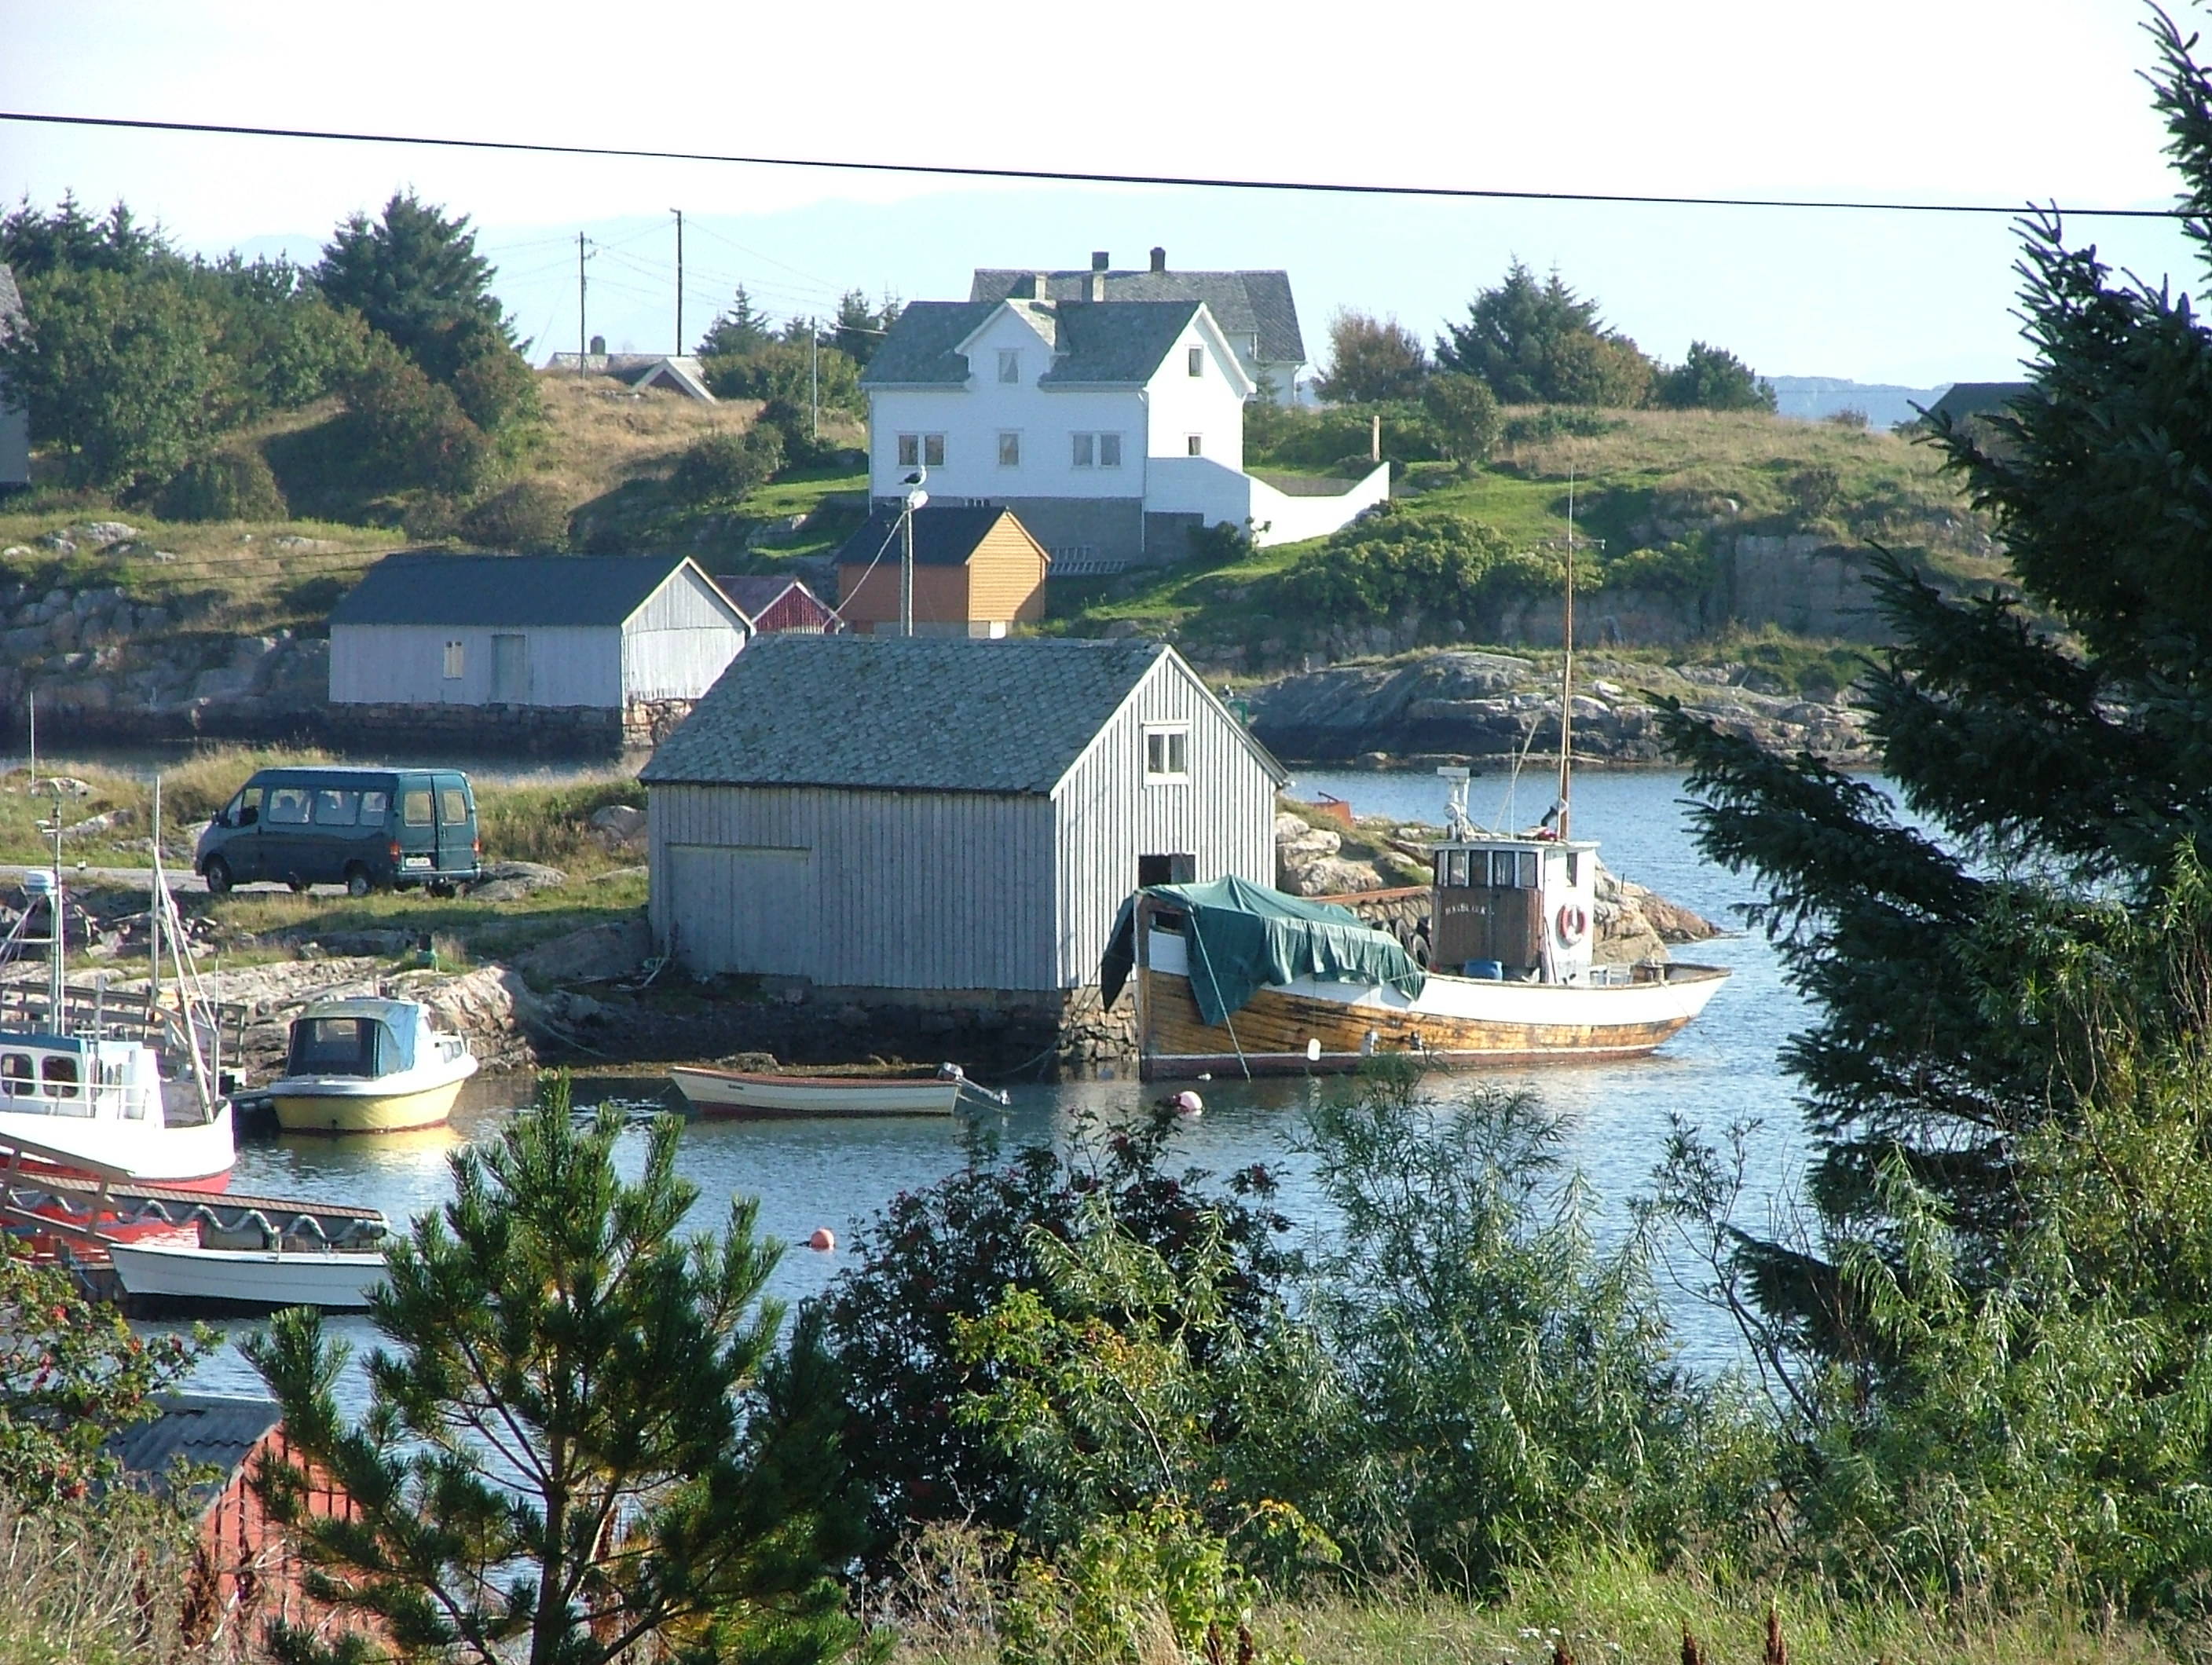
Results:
[1918, 100]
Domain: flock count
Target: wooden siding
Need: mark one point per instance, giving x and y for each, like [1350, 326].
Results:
[680, 639]
[797, 610]
[1006, 575]
[1223, 815]
[871, 604]
[871, 890]
[404, 665]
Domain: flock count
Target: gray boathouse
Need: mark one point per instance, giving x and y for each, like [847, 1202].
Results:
[943, 821]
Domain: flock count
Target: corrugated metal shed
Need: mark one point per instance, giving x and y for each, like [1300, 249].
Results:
[201, 1429]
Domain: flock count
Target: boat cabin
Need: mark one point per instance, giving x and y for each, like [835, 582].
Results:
[1522, 909]
[366, 1038]
[65, 1075]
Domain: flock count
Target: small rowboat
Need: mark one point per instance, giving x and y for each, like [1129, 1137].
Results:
[261, 1278]
[735, 1092]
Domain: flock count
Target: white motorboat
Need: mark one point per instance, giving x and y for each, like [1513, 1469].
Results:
[83, 1087]
[368, 1066]
[741, 1093]
[337, 1280]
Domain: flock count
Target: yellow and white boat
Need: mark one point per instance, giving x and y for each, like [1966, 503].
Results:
[368, 1066]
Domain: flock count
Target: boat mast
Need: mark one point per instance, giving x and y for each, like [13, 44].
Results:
[57, 932]
[1567, 673]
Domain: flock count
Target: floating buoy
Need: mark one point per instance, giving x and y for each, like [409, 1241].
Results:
[1188, 1102]
[824, 1239]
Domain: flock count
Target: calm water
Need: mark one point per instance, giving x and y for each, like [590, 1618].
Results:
[806, 1175]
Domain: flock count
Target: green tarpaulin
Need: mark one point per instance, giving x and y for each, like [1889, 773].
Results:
[1243, 936]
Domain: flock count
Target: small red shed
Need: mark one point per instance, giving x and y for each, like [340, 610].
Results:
[777, 603]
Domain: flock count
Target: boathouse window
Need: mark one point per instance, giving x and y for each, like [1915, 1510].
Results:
[416, 806]
[337, 809]
[61, 1077]
[16, 1080]
[455, 660]
[288, 806]
[1167, 754]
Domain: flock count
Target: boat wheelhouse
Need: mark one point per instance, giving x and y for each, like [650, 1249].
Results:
[368, 1066]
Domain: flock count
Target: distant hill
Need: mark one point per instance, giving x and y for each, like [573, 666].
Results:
[1809, 398]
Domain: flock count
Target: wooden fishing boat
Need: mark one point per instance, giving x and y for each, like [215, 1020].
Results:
[1234, 977]
[369, 1065]
[335, 1279]
[83, 1087]
[719, 1093]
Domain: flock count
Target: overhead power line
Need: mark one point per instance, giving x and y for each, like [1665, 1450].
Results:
[1066, 176]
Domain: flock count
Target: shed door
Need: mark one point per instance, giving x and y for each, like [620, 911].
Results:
[510, 670]
[741, 908]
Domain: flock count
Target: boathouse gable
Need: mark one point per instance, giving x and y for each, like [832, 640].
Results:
[878, 814]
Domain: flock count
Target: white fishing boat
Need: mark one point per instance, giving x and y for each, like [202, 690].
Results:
[83, 1090]
[715, 1092]
[368, 1066]
[1233, 977]
[337, 1280]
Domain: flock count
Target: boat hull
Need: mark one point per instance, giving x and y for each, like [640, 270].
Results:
[191, 1157]
[245, 1277]
[732, 1093]
[1460, 1023]
[309, 1107]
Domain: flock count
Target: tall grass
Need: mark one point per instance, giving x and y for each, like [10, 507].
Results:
[100, 1585]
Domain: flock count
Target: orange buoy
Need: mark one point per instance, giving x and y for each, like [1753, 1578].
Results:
[824, 1239]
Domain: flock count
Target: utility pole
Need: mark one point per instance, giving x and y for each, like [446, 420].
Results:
[678, 213]
[814, 376]
[583, 341]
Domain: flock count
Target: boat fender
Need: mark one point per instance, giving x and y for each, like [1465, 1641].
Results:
[824, 1239]
[1573, 923]
[1189, 1103]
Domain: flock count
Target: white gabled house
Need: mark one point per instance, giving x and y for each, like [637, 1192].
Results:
[1114, 428]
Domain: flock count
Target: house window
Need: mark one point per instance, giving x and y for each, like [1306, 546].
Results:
[933, 449]
[1198, 361]
[1167, 754]
[1010, 364]
[455, 660]
[920, 450]
[1109, 451]
[1196, 444]
[1082, 446]
[1009, 450]
[909, 451]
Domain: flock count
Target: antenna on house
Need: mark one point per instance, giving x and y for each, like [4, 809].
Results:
[915, 497]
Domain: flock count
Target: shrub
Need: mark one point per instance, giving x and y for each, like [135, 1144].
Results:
[1465, 412]
[410, 431]
[228, 485]
[1557, 422]
[530, 515]
[1850, 417]
[722, 467]
[1390, 561]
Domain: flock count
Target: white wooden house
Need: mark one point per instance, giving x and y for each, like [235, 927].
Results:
[881, 814]
[15, 418]
[609, 632]
[1114, 428]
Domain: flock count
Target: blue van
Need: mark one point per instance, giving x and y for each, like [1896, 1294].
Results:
[366, 829]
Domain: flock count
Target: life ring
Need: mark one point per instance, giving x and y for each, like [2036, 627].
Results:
[1573, 925]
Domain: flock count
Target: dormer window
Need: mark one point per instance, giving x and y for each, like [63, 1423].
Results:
[1198, 361]
[1010, 364]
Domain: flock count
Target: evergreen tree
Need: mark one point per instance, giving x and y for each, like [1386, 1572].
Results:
[416, 275]
[741, 329]
[1538, 343]
[36, 245]
[2009, 1084]
[583, 1439]
[1711, 378]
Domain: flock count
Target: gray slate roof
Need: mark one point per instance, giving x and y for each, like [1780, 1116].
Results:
[1242, 302]
[1111, 342]
[883, 713]
[419, 588]
[943, 536]
[201, 1428]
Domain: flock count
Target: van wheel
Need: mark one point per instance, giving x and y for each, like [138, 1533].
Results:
[441, 891]
[218, 877]
[357, 881]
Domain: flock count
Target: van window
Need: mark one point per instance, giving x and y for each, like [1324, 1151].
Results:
[336, 809]
[416, 806]
[61, 1077]
[288, 806]
[374, 805]
[245, 809]
[452, 806]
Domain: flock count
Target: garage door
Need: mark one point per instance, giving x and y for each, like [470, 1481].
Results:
[741, 908]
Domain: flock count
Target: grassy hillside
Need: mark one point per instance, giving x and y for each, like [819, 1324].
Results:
[599, 461]
[1659, 492]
